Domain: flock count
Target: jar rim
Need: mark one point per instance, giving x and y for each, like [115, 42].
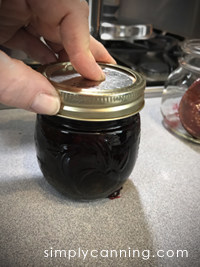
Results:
[191, 46]
[186, 64]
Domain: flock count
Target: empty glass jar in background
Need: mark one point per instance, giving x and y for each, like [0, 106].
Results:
[177, 84]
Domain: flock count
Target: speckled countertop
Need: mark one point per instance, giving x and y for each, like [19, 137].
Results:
[159, 208]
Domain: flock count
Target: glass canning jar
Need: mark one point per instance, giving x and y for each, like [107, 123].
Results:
[177, 84]
[88, 150]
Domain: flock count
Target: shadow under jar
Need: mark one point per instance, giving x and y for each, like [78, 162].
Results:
[88, 150]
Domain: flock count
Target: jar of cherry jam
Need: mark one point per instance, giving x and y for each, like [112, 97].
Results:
[88, 150]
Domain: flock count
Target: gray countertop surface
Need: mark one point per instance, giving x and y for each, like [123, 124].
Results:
[157, 215]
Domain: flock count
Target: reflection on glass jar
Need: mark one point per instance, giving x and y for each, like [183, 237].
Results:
[89, 149]
[178, 83]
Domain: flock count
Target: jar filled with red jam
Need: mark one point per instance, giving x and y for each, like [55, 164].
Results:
[88, 150]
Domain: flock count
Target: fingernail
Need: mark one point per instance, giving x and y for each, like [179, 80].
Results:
[103, 76]
[114, 61]
[46, 104]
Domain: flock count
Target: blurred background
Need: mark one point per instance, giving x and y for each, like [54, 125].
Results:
[181, 17]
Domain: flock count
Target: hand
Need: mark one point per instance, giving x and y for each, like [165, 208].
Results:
[64, 26]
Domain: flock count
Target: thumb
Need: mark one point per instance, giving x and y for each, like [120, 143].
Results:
[25, 88]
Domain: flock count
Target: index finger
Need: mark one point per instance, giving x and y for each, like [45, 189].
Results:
[75, 36]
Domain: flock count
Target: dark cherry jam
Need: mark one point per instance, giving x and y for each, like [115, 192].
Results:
[87, 160]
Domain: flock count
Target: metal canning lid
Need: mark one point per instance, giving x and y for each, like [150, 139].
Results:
[120, 95]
